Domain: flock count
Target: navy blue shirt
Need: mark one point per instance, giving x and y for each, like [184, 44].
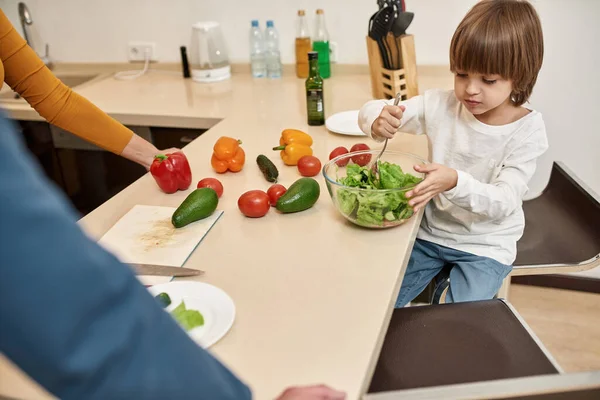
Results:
[73, 317]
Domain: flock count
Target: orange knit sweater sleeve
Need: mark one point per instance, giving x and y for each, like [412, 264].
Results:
[27, 75]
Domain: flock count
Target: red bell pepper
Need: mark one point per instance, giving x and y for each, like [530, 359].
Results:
[171, 172]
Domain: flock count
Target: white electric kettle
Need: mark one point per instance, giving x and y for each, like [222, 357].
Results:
[208, 54]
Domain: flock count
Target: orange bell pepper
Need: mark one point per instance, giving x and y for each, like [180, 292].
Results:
[294, 144]
[228, 155]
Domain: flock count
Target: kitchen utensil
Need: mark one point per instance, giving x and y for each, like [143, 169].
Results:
[395, 52]
[373, 215]
[373, 35]
[344, 123]
[399, 27]
[379, 26]
[161, 270]
[388, 29]
[213, 303]
[208, 53]
[374, 163]
[397, 4]
[145, 235]
[401, 23]
[184, 62]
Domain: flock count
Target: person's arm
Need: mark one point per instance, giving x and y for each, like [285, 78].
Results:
[143, 152]
[77, 320]
[26, 74]
[409, 120]
[504, 195]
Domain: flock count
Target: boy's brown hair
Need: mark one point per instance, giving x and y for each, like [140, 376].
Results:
[502, 37]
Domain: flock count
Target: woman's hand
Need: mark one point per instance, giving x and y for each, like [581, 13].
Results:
[143, 152]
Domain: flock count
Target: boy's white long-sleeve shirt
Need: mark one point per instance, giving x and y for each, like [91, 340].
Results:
[483, 214]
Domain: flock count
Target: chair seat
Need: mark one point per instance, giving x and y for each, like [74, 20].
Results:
[456, 343]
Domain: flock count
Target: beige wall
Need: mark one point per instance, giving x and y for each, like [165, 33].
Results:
[98, 30]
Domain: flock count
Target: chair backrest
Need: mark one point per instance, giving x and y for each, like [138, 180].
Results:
[562, 225]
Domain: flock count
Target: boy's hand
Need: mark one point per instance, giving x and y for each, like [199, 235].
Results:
[388, 122]
[439, 178]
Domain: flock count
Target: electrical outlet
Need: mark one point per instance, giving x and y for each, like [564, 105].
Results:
[138, 51]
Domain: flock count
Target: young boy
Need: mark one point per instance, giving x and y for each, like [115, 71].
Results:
[485, 146]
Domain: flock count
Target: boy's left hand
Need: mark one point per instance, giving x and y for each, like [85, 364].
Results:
[438, 179]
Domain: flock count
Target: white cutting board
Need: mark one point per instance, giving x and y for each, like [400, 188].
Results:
[145, 235]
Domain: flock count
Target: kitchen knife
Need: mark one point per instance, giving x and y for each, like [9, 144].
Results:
[161, 270]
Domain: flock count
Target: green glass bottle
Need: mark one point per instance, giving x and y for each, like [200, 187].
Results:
[321, 44]
[314, 92]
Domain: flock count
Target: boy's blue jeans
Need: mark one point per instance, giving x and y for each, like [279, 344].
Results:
[472, 277]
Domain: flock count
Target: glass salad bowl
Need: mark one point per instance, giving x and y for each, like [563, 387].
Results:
[370, 202]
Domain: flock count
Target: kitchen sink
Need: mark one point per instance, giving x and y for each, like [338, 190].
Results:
[71, 80]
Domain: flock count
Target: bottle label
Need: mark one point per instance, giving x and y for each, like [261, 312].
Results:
[315, 104]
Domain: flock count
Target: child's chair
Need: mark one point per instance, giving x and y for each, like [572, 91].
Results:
[562, 233]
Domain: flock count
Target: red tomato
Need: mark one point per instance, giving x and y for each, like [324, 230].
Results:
[254, 204]
[212, 183]
[338, 151]
[309, 166]
[361, 159]
[275, 192]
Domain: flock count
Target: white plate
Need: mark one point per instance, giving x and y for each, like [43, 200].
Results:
[345, 123]
[214, 304]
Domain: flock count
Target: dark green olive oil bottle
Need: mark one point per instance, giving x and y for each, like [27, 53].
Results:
[314, 92]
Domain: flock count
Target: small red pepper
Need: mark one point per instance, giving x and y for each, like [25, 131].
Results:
[171, 172]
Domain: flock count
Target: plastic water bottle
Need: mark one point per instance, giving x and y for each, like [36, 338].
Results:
[272, 53]
[257, 51]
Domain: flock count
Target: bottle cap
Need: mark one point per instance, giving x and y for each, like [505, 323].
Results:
[313, 55]
[319, 11]
[301, 13]
[269, 24]
[255, 23]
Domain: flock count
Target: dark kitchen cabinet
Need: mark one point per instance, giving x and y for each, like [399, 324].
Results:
[38, 138]
[165, 138]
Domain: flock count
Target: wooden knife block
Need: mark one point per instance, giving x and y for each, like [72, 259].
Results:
[385, 83]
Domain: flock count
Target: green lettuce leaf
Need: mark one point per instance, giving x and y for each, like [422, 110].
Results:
[347, 201]
[188, 319]
[391, 176]
[375, 208]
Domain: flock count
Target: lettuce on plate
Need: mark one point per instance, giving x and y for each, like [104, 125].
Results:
[188, 319]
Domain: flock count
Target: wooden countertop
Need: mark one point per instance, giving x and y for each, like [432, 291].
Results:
[313, 293]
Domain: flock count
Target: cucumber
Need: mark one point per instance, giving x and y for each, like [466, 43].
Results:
[301, 195]
[267, 167]
[163, 299]
[199, 204]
